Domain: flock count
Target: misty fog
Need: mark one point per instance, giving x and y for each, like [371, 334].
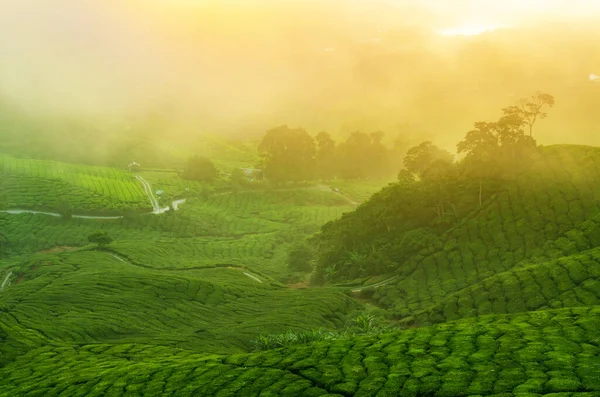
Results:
[242, 67]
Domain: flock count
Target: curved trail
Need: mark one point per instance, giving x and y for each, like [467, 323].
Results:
[326, 188]
[153, 200]
[55, 214]
[377, 285]
[5, 280]
[147, 189]
[252, 276]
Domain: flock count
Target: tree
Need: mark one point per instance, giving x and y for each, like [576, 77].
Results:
[65, 209]
[3, 201]
[325, 158]
[100, 238]
[300, 257]
[482, 150]
[379, 155]
[199, 169]
[287, 154]
[531, 110]
[353, 156]
[419, 157]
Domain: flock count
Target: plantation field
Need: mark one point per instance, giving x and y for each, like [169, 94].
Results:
[38, 184]
[83, 297]
[250, 229]
[552, 353]
[505, 303]
[550, 213]
[572, 281]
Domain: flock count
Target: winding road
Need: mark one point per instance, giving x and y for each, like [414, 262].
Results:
[147, 189]
[56, 214]
[153, 200]
[5, 280]
[377, 285]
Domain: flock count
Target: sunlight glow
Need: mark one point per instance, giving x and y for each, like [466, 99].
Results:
[470, 30]
[594, 77]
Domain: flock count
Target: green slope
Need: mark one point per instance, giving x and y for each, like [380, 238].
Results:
[550, 211]
[525, 355]
[39, 185]
[504, 301]
[567, 282]
[84, 297]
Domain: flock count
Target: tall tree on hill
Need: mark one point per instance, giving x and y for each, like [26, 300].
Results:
[199, 169]
[353, 156]
[420, 157]
[379, 163]
[287, 154]
[531, 110]
[438, 178]
[516, 147]
[482, 150]
[326, 156]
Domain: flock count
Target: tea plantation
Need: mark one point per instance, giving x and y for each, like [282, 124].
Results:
[37, 184]
[504, 302]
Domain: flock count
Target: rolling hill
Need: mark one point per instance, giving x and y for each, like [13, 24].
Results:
[500, 299]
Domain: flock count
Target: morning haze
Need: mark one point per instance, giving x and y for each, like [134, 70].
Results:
[340, 66]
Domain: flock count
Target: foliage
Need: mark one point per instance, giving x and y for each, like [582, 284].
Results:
[100, 238]
[292, 155]
[65, 209]
[419, 158]
[299, 257]
[287, 155]
[199, 169]
[433, 194]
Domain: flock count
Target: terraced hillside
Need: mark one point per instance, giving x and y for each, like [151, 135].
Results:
[551, 353]
[39, 185]
[84, 297]
[551, 212]
[250, 228]
[504, 302]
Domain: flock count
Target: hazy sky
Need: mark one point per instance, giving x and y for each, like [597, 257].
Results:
[235, 61]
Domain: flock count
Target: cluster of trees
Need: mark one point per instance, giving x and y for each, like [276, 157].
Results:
[433, 192]
[292, 155]
[492, 152]
[199, 169]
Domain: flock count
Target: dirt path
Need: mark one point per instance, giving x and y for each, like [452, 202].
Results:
[5, 280]
[377, 285]
[253, 277]
[55, 214]
[329, 188]
[148, 190]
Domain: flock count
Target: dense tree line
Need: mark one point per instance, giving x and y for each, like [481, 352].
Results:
[292, 155]
[434, 191]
